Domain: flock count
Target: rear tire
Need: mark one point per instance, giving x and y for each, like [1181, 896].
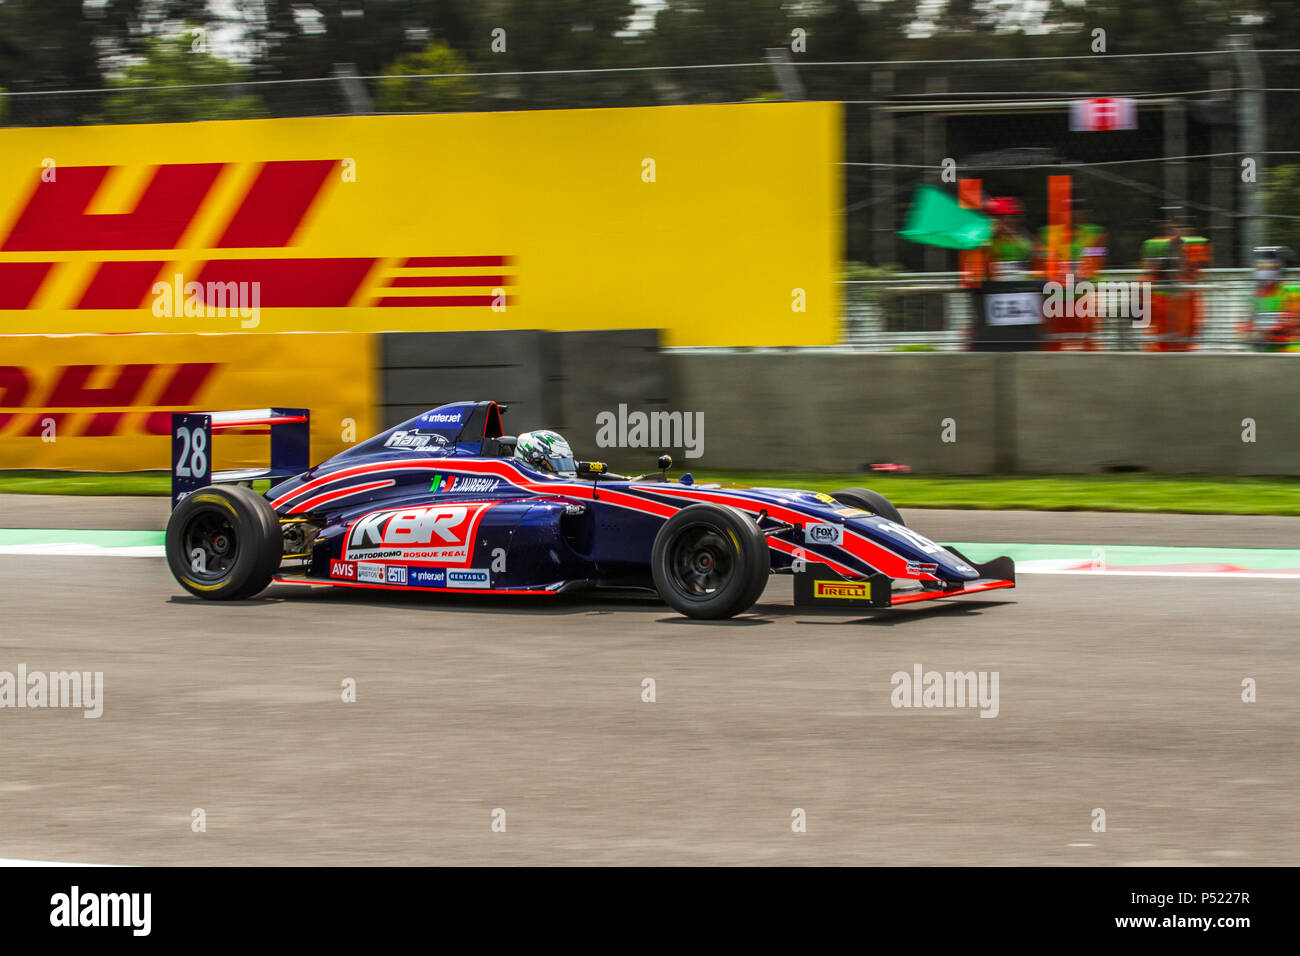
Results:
[710, 561]
[224, 543]
[869, 500]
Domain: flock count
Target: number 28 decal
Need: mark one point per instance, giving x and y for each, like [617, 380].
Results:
[193, 459]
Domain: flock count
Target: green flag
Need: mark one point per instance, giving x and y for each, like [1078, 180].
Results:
[935, 219]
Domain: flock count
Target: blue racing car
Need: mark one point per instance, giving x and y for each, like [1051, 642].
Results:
[448, 503]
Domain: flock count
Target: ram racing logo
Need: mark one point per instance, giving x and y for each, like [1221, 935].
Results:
[413, 440]
[442, 534]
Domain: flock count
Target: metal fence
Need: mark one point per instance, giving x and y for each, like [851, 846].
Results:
[931, 311]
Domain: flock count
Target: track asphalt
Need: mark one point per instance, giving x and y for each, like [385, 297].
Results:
[1116, 693]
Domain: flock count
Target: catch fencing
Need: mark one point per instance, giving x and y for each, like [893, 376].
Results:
[930, 311]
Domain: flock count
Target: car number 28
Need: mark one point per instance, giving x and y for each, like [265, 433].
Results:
[193, 459]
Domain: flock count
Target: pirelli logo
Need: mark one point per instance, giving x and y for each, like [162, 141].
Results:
[853, 590]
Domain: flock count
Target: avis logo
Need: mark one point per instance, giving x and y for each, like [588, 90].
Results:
[343, 569]
[25, 403]
[443, 534]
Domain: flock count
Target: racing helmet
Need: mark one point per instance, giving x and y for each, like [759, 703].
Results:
[546, 451]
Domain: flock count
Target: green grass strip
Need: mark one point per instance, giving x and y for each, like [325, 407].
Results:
[1189, 494]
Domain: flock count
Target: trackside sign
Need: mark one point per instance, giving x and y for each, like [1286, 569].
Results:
[104, 402]
[719, 224]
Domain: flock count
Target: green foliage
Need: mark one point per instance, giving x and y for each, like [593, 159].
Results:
[1141, 492]
[1191, 494]
[178, 61]
[423, 92]
[862, 272]
[1282, 197]
[49, 45]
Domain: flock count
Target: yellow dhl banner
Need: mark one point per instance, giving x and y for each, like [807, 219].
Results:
[104, 402]
[720, 224]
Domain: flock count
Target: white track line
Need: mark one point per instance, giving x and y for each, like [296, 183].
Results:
[1067, 566]
[1033, 566]
[83, 549]
[24, 863]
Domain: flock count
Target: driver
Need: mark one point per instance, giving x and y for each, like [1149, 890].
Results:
[544, 450]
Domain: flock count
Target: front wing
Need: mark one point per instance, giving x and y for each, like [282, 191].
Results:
[819, 586]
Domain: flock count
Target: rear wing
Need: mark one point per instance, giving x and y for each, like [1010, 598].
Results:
[191, 464]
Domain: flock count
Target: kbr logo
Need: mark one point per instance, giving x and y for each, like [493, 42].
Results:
[441, 533]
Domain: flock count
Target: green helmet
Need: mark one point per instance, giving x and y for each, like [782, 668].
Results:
[545, 450]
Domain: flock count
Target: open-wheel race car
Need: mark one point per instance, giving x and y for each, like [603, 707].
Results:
[446, 502]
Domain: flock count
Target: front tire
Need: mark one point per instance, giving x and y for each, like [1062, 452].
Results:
[224, 543]
[710, 561]
[869, 500]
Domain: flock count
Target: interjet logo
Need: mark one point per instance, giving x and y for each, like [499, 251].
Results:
[441, 418]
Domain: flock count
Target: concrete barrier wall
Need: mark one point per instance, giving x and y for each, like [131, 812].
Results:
[422, 369]
[559, 380]
[828, 412]
[1028, 413]
[1173, 413]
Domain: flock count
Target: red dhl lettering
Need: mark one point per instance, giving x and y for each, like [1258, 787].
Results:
[268, 216]
[100, 409]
